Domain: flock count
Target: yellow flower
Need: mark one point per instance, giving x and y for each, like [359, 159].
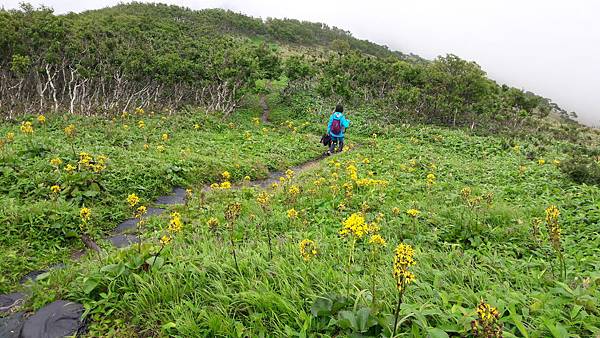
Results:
[341, 207]
[413, 212]
[352, 171]
[292, 213]
[247, 135]
[256, 121]
[10, 136]
[188, 193]
[212, 223]
[139, 111]
[141, 211]
[55, 189]
[133, 200]
[165, 137]
[247, 178]
[141, 124]
[26, 127]
[308, 249]
[165, 239]
[541, 161]
[274, 185]
[289, 174]
[225, 185]
[355, 225]
[175, 223]
[465, 192]
[294, 190]
[146, 146]
[160, 148]
[263, 199]
[282, 180]
[430, 179]
[214, 186]
[396, 211]
[377, 240]
[69, 168]
[70, 130]
[556, 162]
[226, 175]
[85, 214]
[55, 162]
[403, 259]
[125, 126]
[366, 161]
[197, 126]
[41, 119]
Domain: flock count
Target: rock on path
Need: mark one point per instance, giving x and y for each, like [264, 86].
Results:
[57, 319]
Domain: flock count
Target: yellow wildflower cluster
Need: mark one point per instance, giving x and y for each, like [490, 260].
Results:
[70, 130]
[139, 111]
[413, 212]
[212, 223]
[27, 127]
[352, 172]
[165, 137]
[141, 124]
[263, 199]
[55, 162]
[10, 136]
[367, 182]
[55, 189]
[41, 119]
[165, 239]
[319, 181]
[85, 214]
[226, 175]
[541, 161]
[553, 227]
[487, 324]
[430, 179]
[403, 259]
[293, 191]
[140, 211]
[556, 162]
[355, 226]
[69, 168]
[87, 161]
[308, 249]
[377, 241]
[233, 211]
[292, 213]
[256, 121]
[396, 211]
[175, 223]
[289, 174]
[465, 192]
[133, 200]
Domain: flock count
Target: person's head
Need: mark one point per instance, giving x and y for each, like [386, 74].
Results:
[339, 108]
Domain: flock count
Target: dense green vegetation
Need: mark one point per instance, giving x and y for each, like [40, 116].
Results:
[40, 228]
[480, 234]
[494, 188]
[164, 57]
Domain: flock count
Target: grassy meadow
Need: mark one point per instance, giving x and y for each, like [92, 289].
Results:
[311, 255]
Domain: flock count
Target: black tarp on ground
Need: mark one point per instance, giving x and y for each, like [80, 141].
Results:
[57, 319]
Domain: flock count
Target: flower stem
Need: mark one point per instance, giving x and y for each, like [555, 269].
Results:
[397, 313]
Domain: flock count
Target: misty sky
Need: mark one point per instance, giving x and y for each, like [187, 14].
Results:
[550, 47]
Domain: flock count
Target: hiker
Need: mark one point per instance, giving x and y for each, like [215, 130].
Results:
[336, 127]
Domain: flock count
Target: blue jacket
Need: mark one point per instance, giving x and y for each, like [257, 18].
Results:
[343, 122]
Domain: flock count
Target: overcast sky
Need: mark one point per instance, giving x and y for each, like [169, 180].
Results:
[551, 47]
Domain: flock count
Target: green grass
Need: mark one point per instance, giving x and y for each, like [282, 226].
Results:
[465, 251]
[38, 230]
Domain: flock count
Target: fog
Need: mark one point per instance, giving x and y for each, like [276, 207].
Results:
[549, 47]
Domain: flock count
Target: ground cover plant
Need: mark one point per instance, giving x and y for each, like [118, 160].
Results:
[466, 233]
[59, 164]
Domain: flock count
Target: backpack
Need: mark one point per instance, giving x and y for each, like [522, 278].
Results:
[336, 127]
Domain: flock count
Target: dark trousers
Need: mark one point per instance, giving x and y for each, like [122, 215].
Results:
[339, 141]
